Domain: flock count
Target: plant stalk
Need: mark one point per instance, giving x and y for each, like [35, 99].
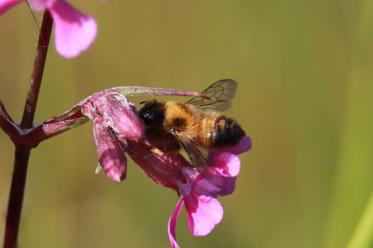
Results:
[22, 154]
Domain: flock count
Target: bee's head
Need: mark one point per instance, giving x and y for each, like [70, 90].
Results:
[152, 112]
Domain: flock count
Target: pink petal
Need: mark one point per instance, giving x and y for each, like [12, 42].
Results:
[244, 145]
[162, 168]
[41, 4]
[7, 4]
[203, 213]
[205, 186]
[74, 31]
[119, 114]
[215, 185]
[110, 152]
[126, 121]
[226, 184]
[225, 164]
[172, 223]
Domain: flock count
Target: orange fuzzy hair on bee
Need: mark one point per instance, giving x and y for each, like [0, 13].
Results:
[194, 125]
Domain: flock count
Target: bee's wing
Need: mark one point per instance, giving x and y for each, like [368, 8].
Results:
[217, 97]
[197, 156]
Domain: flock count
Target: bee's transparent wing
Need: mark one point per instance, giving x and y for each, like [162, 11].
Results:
[217, 97]
[197, 156]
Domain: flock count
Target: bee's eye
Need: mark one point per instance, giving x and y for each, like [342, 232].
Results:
[149, 115]
[152, 113]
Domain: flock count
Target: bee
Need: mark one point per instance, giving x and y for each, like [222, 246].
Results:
[196, 126]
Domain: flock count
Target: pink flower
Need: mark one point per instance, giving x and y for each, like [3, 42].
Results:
[74, 31]
[199, 194]
[198, 190]
[119, 130]
[114, 122]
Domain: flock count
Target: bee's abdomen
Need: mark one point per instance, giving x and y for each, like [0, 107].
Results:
[227, 132]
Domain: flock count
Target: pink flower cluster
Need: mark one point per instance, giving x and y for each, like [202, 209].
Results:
[119, 131]
[74, 31]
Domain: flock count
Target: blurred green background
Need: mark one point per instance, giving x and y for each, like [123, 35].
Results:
[305, 73]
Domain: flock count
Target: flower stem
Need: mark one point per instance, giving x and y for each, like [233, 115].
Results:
[22, 154]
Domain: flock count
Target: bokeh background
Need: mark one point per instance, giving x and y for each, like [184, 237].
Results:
[305, 73]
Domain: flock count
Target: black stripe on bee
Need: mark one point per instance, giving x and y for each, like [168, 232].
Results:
[227, 132]
[179, 122]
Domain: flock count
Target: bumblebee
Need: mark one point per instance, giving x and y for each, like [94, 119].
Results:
[196, 126]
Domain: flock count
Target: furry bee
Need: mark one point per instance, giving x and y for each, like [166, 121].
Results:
[196, 125]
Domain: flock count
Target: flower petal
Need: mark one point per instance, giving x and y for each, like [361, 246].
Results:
[125, 121]
[203, 213]
[243, 146]
[172, 223]
[162, 168]
[110, 151]
[225, 164]
[225, 184]
[118, 113]
[215, 185]
[7, 4]
[41, 4]
[204, 186]
[74, 31]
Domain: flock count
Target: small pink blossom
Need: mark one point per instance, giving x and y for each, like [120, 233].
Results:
[114, 122]
[199, 194]
[74, 31]
[118, 130]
